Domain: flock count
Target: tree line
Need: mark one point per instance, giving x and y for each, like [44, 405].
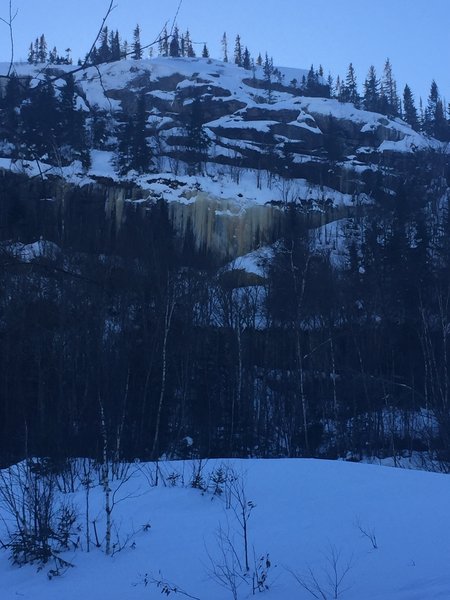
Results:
[309, 360]
[379, 94]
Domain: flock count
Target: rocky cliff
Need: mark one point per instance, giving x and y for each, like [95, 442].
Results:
[265, 145]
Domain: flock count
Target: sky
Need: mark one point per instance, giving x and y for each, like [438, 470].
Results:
[296, 33]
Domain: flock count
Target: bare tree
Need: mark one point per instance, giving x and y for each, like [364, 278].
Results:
[242, 508]
[328, 585]
[8, 21]
[226, 568]
[170, 306]
[367, 532]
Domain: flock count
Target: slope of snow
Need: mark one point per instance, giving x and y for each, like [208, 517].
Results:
[305, 510]
[127, 74]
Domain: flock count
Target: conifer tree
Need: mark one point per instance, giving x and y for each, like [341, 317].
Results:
[188, 47]
[104, 52]
[389, 100]
[137, 48]
[268, 72]
[371, 98]
[53, 56]
[190, 52]
[330, 84]
[409, 109]
[31, 55]
[133, 150]
[312, 83]
[205, 51]
[164, 43]
[259, 60]
[225, 47]
[36, 51]
[72, 125]
[116, 52]
[429, 120]
[238, 51]
[197, 139]
[174, 48]
[435, 122]
[40, 120]
[268, 68]
[182, 45]
[42, 50]
[246, 60]
[349, 90]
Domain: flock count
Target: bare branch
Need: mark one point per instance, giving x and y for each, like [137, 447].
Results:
[109, 10]
[166, 587]
[367, 532]
[9, 23]
[175, 17]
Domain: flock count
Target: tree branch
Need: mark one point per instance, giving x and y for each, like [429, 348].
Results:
[9, 23]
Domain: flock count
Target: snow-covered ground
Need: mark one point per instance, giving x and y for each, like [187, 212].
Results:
[302, 514]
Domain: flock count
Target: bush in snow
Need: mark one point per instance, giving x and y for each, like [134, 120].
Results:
[40, 526]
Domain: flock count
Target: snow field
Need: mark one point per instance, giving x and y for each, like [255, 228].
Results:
[304, 511]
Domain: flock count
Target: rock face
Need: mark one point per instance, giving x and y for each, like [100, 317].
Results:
[319, 152]
[248, 122]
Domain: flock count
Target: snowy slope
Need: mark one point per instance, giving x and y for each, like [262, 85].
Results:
[304, 511]
[249, 131]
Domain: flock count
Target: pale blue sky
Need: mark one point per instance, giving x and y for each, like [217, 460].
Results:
[412, 33]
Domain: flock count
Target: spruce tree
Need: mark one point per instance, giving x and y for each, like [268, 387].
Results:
[268, 72]
[104, 52]
[36, 51]
[337, 88]
[330, 84]
[435, 122]
[190, 52]
[409, 109]
[40, 118]
[197, 139]
[238, 51]
[441, 128]
[371, 99]
[31, 55]
[42, 50]
[174, 47]
[205, 51]
[246, 60]
[312, 83]
[164, 43]
[133, 150]
[137, 48]
[349, 90]
[53, 56]
[71, 124]
[116, 53]
[389, 100]
[429, 120]
[225, 47]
